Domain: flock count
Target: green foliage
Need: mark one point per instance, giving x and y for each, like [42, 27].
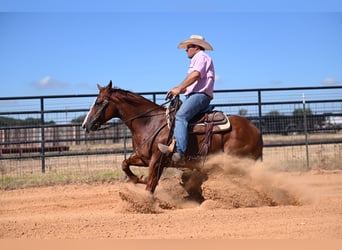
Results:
[5, 121]
[79, 119]
[243, 112]
[300, 112]
[10, 122]
[296, 112]
[274, 113]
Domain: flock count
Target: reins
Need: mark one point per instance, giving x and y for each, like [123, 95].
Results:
[132, 118]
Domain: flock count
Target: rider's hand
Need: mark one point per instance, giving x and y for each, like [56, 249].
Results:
[169, 95]
[173, 92]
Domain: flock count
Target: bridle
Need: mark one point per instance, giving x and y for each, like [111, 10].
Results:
[97, 114]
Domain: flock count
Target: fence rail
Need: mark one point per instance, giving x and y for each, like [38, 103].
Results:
[49, 127]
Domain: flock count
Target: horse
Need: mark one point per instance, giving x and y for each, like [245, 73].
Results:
[147, 123]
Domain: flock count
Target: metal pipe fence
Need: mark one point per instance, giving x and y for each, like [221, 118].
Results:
[43, 133]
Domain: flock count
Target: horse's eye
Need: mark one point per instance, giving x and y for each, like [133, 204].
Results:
[101, 103]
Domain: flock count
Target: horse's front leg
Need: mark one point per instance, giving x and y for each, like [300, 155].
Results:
[156, 168]
[136, 161]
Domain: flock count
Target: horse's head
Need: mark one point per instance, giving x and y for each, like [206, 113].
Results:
[99, 112]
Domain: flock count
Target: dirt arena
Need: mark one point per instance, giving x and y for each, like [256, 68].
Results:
[242, 200]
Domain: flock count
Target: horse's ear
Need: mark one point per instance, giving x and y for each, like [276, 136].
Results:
[109, 84]
[99, 87]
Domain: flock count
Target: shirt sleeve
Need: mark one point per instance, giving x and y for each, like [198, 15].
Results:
[198, 64]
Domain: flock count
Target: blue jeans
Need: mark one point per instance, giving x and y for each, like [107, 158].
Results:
[192, 105]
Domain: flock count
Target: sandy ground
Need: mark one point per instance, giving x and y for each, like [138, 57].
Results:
[242, 200]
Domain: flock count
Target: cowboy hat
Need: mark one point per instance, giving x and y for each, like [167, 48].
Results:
[196, 40]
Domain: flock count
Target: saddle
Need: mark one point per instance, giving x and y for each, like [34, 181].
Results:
[207, 122]
[215, 120]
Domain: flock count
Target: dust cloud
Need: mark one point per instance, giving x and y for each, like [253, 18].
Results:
[225, 182]
[235, 183]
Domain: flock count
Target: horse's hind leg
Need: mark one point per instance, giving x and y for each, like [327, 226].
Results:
[133, 160]
[192, 181]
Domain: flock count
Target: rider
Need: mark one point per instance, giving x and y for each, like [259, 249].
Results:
[197, 87]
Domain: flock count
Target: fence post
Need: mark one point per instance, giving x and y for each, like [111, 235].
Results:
[306, 135]
[260, 110]
[260, 115]
[42, 132]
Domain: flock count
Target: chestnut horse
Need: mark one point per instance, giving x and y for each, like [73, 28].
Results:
[147, 123]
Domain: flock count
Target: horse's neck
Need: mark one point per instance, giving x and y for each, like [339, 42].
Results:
[139, 116]
[145, 124]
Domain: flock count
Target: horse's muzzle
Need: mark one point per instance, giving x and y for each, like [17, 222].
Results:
[88, 126]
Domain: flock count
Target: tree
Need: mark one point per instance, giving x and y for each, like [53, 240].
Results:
[79, 119]
[243, 112]
[273, 113]
[300, 112]
[10, 122]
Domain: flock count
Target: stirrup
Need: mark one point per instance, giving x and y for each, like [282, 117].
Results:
[167, 149]
[177, 156]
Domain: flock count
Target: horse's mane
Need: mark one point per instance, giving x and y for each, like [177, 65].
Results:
[131, 97]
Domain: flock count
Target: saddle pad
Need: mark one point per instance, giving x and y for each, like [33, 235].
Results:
[223, 126]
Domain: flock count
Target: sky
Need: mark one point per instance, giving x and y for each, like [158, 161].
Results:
[67, 47]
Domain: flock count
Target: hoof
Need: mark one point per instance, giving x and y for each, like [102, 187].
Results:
[143, 179]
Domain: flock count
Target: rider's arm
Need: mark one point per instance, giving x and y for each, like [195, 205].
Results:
[189, 79]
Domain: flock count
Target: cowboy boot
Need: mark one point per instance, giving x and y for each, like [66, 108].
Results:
[165, 149]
